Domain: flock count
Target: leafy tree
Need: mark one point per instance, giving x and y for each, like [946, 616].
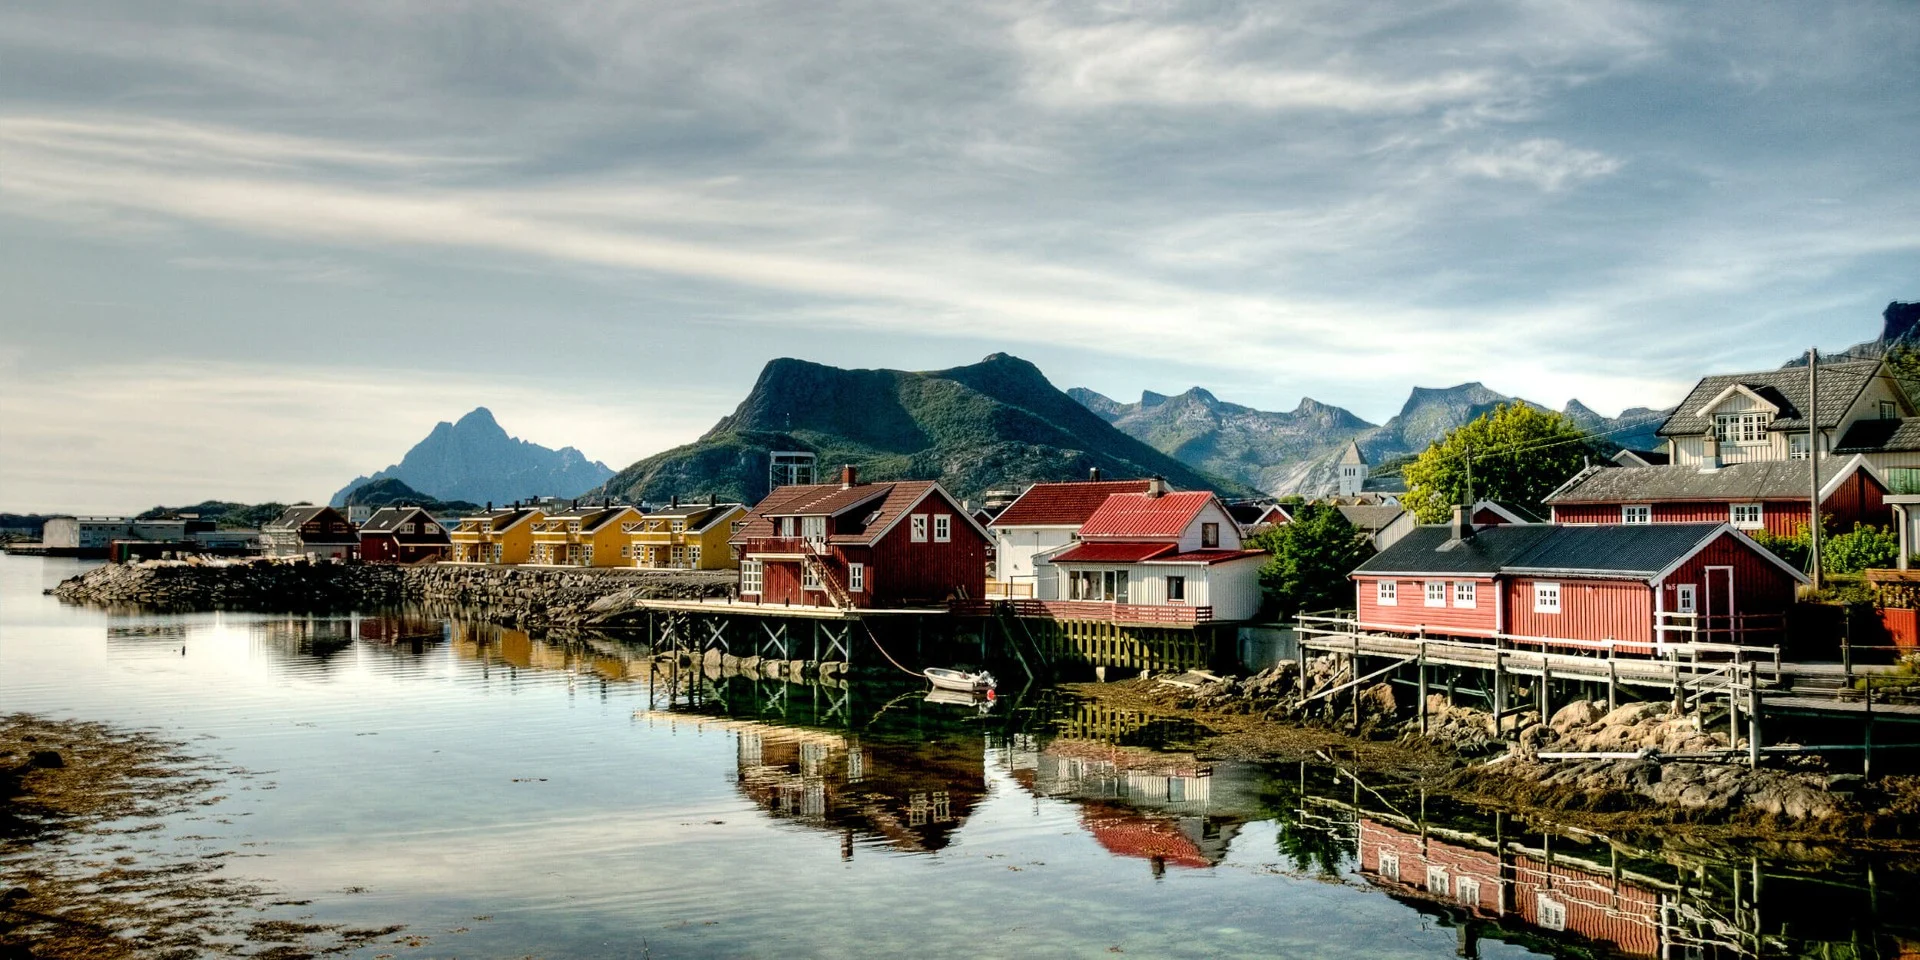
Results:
[1311, 559]
[1519, 453]
[1861, 548]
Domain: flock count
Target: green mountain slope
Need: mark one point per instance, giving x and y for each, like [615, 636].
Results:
[991, 425]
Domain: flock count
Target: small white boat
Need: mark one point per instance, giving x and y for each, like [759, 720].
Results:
[960, 680]
[961, 698]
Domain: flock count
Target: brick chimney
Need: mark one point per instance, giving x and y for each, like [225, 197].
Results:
[1462, 525]
[849, 477]
[1157, 487]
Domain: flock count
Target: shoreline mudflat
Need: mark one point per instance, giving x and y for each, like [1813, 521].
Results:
[1462, 757]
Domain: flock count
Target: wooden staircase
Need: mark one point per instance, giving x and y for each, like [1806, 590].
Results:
[836, 591]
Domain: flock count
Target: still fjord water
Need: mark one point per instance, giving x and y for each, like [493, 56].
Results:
[506, 795]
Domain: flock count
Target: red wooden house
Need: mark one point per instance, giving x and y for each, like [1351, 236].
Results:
[1583, 586]
[1768, 495]
[403, 535]
[851, 545]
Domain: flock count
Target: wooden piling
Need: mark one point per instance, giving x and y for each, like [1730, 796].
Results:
[1421, 667]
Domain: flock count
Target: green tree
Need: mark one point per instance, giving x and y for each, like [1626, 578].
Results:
[1519, 453]
[1862, 548]
[1311, 559]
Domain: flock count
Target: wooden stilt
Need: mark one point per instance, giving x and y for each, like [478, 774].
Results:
[1421, 667]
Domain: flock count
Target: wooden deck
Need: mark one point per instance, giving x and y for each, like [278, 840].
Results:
[782, 610]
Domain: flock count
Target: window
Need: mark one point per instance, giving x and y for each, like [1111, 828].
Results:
[1390, 866]
[1747, 516]
[809, 576]
[942, 528]
[1467, 891]
[586, 555]
[1437, 881]
[1552, 913]
[1546, 598]
[1797, 447]
[1209, 535]
[411, 527]
[677, 556]
[919, 527]
[856, 577]
[750, 576]
[626, 551]
[1636, 513]
[1107, 585]
[788, 527]
[1889, 410]
[1464, 594]
[679, 526]
[813, 528]
[433, 528]
[693, 556]
[1741, 428]
[1386, 592]
[1436, 593]
[1683, 598]
[1176, 589]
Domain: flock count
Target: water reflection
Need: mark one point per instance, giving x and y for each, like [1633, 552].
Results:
[834, 770]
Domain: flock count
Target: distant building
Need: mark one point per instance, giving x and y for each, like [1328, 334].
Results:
[788, 468]
[1040, 522]
[1353, 470]
[685, 536]
[403, 535]
[496, 536]
[1159, 556]
[311, 531]
[584, 537]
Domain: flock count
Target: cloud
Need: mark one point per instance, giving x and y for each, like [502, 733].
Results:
[1547, 164]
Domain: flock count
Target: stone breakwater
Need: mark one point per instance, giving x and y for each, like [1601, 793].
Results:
[518, 596]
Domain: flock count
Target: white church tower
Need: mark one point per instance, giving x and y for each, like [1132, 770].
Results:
[1353, 470]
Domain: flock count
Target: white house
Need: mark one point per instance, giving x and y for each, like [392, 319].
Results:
[1038, 523]
[1159, 557]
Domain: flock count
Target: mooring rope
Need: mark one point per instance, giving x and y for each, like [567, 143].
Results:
[884, 653]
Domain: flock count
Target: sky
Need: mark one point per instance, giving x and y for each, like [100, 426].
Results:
[250, 250]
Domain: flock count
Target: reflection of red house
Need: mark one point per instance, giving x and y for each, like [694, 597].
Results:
[1126, 832]
[1555, 897]
[913, 796]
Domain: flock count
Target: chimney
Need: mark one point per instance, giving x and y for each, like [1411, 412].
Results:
[1157, 487]
[849, 477]
[489, 506]
[673, 502]
[1093, 475]
[713, 499]
[1710, 452]
[1462, 525]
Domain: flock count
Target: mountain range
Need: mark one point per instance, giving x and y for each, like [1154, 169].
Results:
[990, 425]
[1298, 451]
[474, 459]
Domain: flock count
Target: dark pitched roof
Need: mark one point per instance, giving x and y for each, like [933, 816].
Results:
[1614, 550]
[1786, 388]
[1881, 436]
[292, 517]
[1640, 458]
[1063, 504]
[818, 499]
[1519, 512]
[1247, 514]
[1762, 480]
[1369, 518]
[880, 505]
[389, 519]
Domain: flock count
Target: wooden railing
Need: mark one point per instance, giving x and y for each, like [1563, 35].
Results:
[789, 545]
[1087, 610]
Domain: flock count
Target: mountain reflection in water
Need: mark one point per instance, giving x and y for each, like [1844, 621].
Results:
[597, 802]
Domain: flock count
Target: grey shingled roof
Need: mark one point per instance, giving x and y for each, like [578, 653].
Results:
[293, 517]
[1633, 550]
[1840, 385]
[1371, 519]
[1881, 436]
[389, 519]
[1764, 480]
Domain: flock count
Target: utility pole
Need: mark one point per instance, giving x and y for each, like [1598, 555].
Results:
[1469, 459]
[1813, 463]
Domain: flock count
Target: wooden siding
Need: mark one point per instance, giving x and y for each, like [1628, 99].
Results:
[1412, 614]
[904, 573]
[1859, 499]
[1759, 585]
[1231, 589]
[1590, 609]
[1782, 517]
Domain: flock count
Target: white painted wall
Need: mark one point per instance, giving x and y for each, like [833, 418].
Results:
[1232, 589]
[1015, 551]
[1213, 512]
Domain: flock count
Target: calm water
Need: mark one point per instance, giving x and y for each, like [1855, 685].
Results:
[412, 769]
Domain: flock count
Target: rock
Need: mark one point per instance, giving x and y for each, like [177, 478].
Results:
[1579, 713]
[1378, 701]
[46, 759]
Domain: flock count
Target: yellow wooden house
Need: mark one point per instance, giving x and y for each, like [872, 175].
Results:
[584, 537]
[683, 537]
[501, 536]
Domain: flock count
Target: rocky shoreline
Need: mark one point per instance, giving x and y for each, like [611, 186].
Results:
[1652, 768]
[515, 596]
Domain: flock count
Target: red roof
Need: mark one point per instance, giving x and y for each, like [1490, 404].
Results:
[1131, 834]
[1063, 504]
[1139, 515]
[1209, 556]
[880, 505]
[1112, 552]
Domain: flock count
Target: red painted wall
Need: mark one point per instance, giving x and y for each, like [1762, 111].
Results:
[1759, 586]
[899, 572]
[1412, 613]
[1589, 610]
[1782, 517]
[1859, 499]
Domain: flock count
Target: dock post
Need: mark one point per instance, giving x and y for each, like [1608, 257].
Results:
[1422, 668]
[1545, 699]
[1866, 759]
[1300, 653]
[1753, 719]
[1679, 701]
[1613, 682]
[1353, 667]
[1499, 691]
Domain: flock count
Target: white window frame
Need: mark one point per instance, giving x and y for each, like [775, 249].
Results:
[1742, 429]
[813, 528]
[679, 526]
[433, 528]
[1758, 520]
[676, 556]
[1684, 595]
[1466, 594]
[1467, 890]
[1436, 593]
[942, 528]
[1636, 513]
[1889, 410]
[1177, 588]
[810, 577]
[1797, 446]
[1437, 882]
[1546, 597]
[917, 528]
[1390, 866]
[856, 578]
[1386, 593]
[1551, 913]
[752, 577]
[1209, 536]
[693, 556]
